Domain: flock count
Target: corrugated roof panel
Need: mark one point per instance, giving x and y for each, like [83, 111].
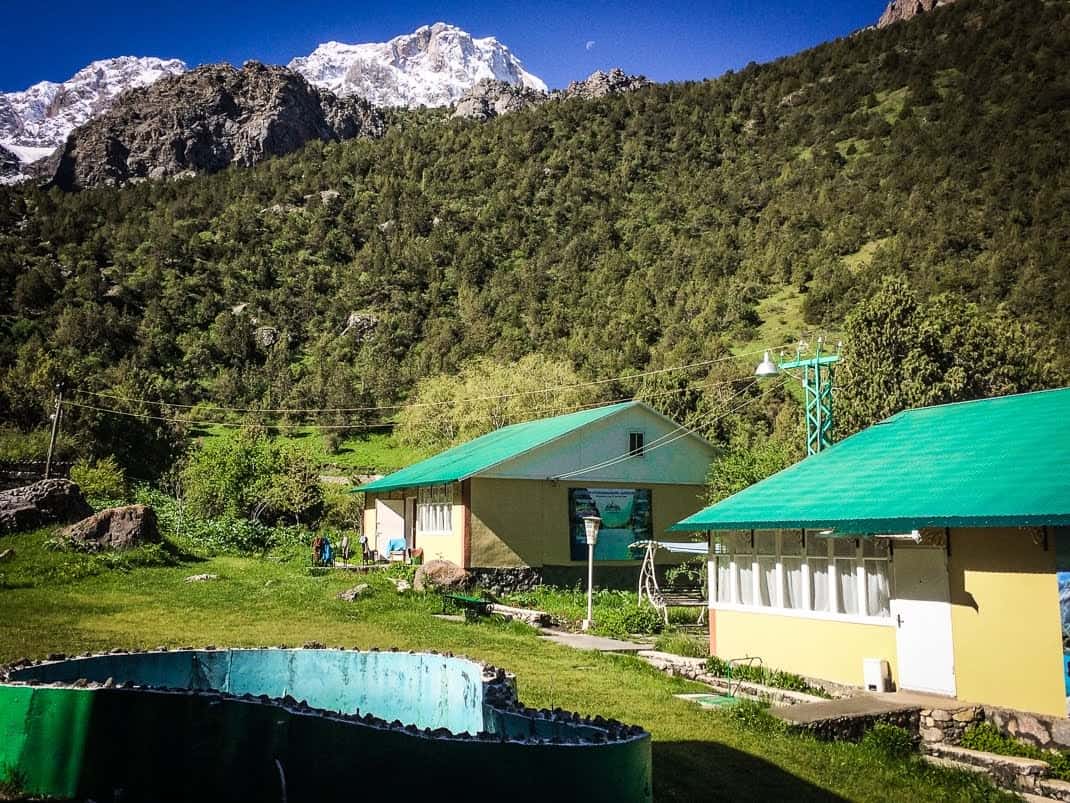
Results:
[987, 463]
[478, 455]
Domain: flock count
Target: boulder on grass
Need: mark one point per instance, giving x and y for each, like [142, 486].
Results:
[440, 575]
[351, 594]
[40, 503]
[116, 528]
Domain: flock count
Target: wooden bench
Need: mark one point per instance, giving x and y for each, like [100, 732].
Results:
[473, 607]
[683, 597]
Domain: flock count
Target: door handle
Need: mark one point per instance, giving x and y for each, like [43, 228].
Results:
[899, 620]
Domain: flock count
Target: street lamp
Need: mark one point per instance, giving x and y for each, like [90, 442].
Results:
[591, 525]
[817, 375]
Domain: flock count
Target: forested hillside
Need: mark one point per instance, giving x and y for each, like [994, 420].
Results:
[635, 231]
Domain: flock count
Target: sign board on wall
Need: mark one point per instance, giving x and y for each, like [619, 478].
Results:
[626, 517]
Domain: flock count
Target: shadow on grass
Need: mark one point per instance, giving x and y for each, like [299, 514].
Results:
[699, 770]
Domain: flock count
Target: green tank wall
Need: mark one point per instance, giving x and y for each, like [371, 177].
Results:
[186, 733]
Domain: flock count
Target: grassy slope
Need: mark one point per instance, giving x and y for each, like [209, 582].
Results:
[374, 452]
[697, 755]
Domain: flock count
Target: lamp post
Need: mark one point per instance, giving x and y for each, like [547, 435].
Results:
[591, 525]
[817, 376]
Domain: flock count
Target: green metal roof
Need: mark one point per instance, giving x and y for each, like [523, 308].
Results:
[478, 455]
[988, 463]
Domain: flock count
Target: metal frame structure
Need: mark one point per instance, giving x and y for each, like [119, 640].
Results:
[817, 378]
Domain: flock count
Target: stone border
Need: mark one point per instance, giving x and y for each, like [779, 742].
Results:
[695, 669]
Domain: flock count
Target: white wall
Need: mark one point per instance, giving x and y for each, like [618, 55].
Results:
[683, 460]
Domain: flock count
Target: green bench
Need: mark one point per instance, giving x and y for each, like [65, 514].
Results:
[473, 607]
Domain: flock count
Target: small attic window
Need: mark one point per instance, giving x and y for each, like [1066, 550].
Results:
[635, 444]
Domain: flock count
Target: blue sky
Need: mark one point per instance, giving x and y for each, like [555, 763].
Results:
[558, 41]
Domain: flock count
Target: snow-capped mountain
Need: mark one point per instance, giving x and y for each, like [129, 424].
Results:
[432, 66]
[36, 121]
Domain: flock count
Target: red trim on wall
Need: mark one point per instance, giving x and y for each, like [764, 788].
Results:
[466, 536]
[712, 619]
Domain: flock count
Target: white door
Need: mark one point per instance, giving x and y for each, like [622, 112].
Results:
[922, 612]
[389, 523]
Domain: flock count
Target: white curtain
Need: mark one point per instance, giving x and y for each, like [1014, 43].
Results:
[793, 583]
[848, 586]
[819, 583]
[746, 580]
[724, 579]
[767, 582]
[434, 509]
[877, 590]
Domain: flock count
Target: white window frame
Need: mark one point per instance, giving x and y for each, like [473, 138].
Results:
[434, 510]
[723, 546]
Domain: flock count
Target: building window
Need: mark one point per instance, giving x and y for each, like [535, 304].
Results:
[846, 577]
[635, 444]
[434, 510]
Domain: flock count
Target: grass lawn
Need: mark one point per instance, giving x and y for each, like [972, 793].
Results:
[698, 755]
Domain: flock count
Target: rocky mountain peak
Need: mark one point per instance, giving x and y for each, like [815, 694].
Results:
[900, 10]
[432, 66]
[206, 119]
[490, 98]
[599, 84]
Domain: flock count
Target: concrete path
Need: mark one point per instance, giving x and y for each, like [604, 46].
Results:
[585, 641]
[861, 706]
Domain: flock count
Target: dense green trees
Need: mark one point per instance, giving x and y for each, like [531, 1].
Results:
[612, 235]
[447, 409]
[903, 352]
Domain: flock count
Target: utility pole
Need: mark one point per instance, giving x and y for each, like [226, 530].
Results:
[55, 429]
[817, 376]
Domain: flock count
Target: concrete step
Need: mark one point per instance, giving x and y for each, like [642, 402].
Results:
[1022, 775]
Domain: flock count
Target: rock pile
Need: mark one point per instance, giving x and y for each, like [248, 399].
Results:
[43, 502]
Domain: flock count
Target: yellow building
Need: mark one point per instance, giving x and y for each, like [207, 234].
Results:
[516, 497]
[937, 541]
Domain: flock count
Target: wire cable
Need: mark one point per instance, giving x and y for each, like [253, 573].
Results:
[375, 408]
[668, 438]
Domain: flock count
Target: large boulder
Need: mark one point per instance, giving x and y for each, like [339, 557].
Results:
[440, 575]
[116, 528]
[43, 502]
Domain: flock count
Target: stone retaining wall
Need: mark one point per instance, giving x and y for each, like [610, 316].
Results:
[946, 725]
[1038, 729]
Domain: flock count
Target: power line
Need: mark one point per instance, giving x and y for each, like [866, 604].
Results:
[200, 423]
[373, 425]
[688, 429]
[374, 408]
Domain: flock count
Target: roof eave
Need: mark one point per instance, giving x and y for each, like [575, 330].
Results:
[883, 525]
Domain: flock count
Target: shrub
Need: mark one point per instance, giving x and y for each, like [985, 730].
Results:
[622, 621]
[690, 573]
[342, 509]
[988, 738]
[682, 644]
[888, 741]
[102, 480]
[754, 673]
[243, 475]
[753, 716]
[226, 533]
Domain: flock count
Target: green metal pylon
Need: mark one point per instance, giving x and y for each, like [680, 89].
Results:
[817, 376]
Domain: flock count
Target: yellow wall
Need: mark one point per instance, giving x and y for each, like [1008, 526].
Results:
[817, 648]
[525, 522]
[436, 547]
[1005, 620]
